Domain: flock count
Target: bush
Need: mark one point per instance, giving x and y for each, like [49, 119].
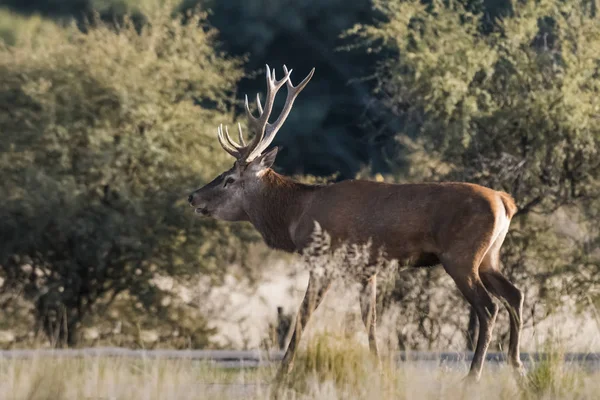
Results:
[512, 106]
[104, 134]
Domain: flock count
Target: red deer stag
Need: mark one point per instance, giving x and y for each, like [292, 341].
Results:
[459, 225]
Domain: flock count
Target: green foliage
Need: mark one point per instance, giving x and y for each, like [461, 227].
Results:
[112, 127]
[104, 134]
[326, 131]
[14, 27]
[513, 107]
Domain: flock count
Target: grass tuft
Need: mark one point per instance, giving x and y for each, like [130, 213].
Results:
[328, 367]
[333, 359]
[551, 377]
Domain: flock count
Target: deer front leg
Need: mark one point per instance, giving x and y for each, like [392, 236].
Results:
[317, 287]
[368, 304]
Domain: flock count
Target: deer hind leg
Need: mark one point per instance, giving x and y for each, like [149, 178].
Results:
[315, 292]
[467, 279]
[513, 301]
[368, 310]
[509, 295]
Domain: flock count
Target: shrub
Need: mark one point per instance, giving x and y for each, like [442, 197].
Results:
[512, 106]
[105, 132]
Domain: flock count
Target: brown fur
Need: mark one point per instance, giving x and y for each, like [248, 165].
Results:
[274, 209]
[460, 225]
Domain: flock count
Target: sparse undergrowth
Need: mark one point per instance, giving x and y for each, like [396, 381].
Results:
[330, 367]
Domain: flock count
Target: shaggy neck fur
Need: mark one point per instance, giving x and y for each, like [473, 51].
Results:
[278, 203]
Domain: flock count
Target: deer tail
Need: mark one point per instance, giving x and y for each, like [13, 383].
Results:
[509, 204]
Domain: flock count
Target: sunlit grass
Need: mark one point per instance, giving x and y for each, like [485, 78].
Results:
[328, 367]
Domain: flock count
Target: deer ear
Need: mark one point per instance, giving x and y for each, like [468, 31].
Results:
[268, 159]
[265, 160]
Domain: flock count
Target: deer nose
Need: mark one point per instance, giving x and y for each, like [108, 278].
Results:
[191, 198]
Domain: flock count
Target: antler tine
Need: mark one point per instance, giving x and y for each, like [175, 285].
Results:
[226, 146]
[277, 84]
[258, 105]
[241, 135]
[297, 89]
[230, 140]
[248, 112]
[271, 129]
[260, 124]
[264, 132]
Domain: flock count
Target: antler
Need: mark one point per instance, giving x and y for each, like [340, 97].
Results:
[264, 132]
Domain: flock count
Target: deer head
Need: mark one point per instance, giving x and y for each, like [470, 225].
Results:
[227, 196]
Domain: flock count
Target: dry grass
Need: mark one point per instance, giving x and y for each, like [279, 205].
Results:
[330, 367]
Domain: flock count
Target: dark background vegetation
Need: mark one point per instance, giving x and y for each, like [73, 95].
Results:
[101, 139]
[340, 126]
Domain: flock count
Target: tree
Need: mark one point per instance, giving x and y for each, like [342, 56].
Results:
[514, 108]
[104, 134]
[326, 133]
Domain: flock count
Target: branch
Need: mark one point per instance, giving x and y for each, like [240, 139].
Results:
[526, 209]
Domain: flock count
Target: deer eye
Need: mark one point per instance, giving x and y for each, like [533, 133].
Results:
[228, 181]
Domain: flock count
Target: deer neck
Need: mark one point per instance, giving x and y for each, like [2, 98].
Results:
[275, 206]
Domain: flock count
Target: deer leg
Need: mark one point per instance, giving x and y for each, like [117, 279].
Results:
[471, 329]
[368, 304]
[477, 295]
[512, 298]
[315, 292]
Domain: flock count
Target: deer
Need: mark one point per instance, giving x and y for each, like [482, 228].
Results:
[461, 226]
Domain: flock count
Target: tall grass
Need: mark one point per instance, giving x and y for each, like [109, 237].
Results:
[329, 367]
